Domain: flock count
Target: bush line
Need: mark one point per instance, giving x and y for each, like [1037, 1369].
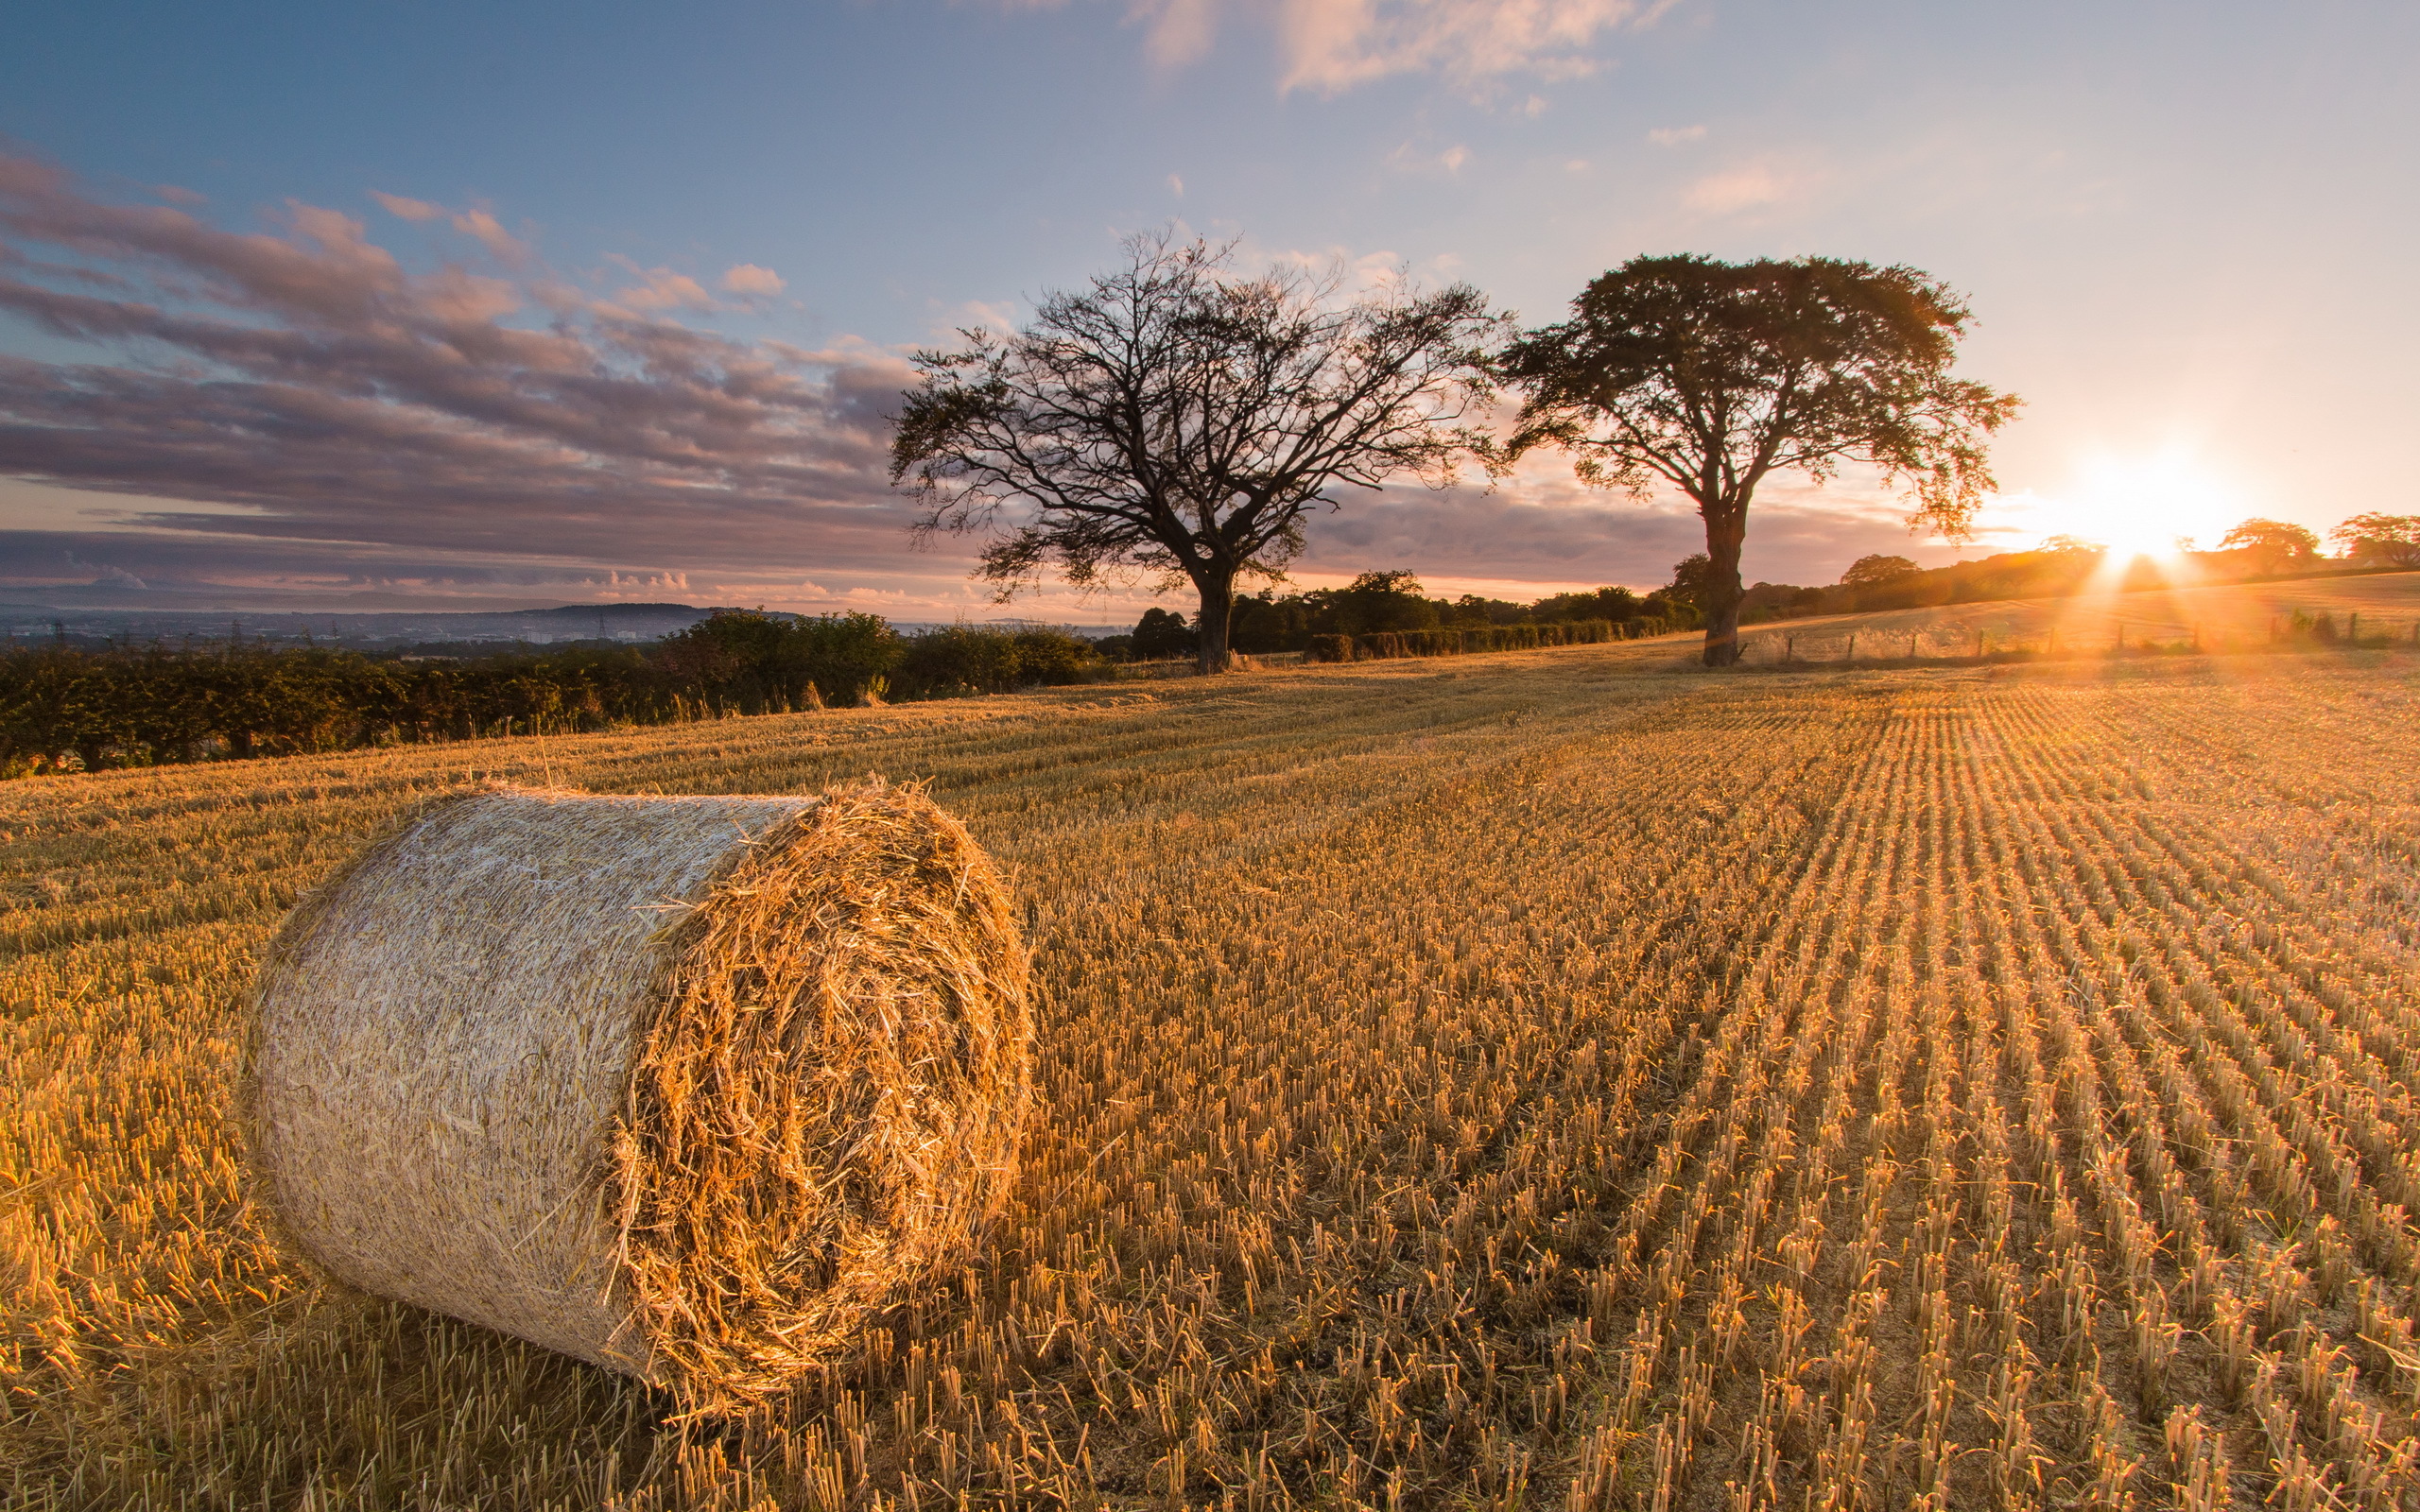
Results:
[1389, 645]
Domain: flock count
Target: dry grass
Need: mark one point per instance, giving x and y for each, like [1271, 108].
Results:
[1509, 1082]
[2221, 617]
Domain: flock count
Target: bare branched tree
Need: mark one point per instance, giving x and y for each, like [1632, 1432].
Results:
[1182, 419]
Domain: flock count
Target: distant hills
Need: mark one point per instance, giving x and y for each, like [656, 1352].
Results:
[626, 624]
[539, 626]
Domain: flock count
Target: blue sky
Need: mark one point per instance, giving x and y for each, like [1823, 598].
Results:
[2181, 229]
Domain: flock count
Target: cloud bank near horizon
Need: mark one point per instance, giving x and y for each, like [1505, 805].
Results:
[295, 413]
[303, 386]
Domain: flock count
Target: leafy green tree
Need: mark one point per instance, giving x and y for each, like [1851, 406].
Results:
[1374, 602]
[2383, 540]
[1875, 570]
[1614, 604]
[2273, 545]
[1711, 376]
[953, 659]
[752, 660]
[2070, 545]
[1162, 634]
[1183, 418]
[1693, 581]
[1264, 622]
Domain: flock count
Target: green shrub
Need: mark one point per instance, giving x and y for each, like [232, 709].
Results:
[956, 660]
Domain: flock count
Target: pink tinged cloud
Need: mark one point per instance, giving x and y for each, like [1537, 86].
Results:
[476, 223]
[307, 375]
[751, 280]
[1751, 186]
[483, 227]
[661, 288]
[1332, 45]
[403, 209]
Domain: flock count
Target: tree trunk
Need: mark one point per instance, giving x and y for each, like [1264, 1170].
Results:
[1210, 626]
[1723, 534]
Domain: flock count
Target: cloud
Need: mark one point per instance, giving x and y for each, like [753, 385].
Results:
[300, 386]
[1334, 46]
[484, 228]
[1673, 136]
[1545, 527]
[476, 223]
[661, 288]
[403, 209]
[105, 574]
[748, 279]
[1410, 159]
[292, 415]
[1178, 31]
[1749, 186]
[977, 315]
[179, 195]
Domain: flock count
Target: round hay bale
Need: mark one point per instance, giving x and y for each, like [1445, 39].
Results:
[682, 1085]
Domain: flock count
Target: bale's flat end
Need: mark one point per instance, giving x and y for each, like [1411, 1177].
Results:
[828, 1110]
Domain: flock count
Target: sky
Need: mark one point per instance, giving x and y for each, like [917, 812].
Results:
[443, 305]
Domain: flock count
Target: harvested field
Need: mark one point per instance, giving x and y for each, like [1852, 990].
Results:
[1538, 1080]
[2222, 616]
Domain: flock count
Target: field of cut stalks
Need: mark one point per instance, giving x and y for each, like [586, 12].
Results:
[2225, 618]
[1543, 1080]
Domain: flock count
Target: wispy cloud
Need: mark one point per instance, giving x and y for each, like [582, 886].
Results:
[1673, 136]
[476, 223]
[1333, 46]
[405, 209]
[303, 374]
[750, 280]
[1410, 158]
[1749, 186]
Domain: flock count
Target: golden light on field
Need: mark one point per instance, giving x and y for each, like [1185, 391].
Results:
[1974, 1090]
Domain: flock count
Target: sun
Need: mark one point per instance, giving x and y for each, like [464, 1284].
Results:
[2141, 506]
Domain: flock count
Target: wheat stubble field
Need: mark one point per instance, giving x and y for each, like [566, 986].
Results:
[1545, 1080]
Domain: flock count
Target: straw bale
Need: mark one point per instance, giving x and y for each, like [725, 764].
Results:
[682, 1085]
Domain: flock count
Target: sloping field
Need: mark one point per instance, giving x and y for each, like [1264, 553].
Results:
[2223, 616]
[1510, 1081]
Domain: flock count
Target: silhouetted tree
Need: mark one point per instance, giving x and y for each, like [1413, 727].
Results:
[1711, 376]
[1161, 633]
[2274, 544]
[1374, 602]
[1877, 569]
[1179, 417]
[2384, 540]
[1693, 581]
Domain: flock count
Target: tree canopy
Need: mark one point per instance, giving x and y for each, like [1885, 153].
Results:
[2276, 544]
[1710, 376]
[1868, 571]
[1692, 580]
[1180, 417]
[2385, 539]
